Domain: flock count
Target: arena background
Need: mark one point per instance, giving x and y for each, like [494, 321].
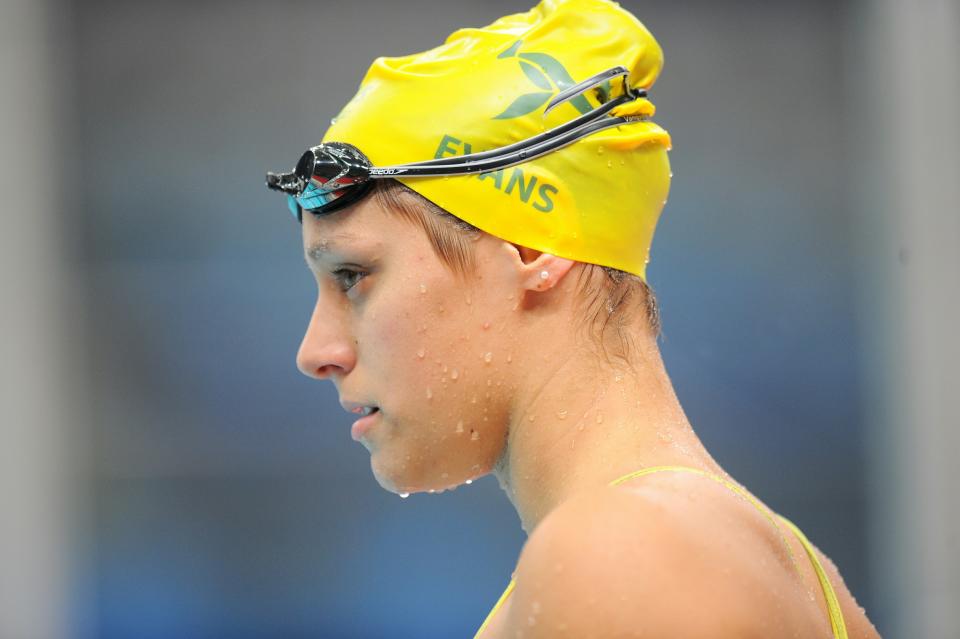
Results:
[167, 472]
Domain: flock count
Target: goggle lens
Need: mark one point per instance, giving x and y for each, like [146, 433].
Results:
[327, 178]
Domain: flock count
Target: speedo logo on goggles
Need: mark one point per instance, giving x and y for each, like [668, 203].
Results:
[332, 175]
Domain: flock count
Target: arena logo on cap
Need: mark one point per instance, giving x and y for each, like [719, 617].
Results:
[547, 74]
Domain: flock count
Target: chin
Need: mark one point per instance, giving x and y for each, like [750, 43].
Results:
[427, 475]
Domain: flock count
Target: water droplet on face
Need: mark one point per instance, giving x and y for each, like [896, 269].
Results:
[473, 400]
[599, 418]
[468, 482]
[509, 357]
[618, 378]
[562, 414]
[486, 325]
[444, 475]
[445, 369]
[423, 288]
[531, 418]
[459, 427]
[475, 436]
[487, 357]
[421, 353]
[404, 495]
[429, 393]
[454, 374]
[469, 301]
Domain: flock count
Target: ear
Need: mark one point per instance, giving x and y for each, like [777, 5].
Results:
[542, 271]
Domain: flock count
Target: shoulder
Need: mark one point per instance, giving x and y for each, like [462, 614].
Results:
[654, 561]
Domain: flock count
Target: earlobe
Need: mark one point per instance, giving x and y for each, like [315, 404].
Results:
[546, 271]
[538, 271]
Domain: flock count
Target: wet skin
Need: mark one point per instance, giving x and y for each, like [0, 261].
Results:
[489, 372]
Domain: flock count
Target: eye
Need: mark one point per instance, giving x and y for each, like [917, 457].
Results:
[347, 278]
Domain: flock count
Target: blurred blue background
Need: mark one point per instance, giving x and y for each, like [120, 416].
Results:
[225, 497]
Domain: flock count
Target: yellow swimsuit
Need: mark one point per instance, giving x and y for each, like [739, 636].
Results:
[833, 606]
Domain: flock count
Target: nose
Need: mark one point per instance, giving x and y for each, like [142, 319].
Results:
[328, 349]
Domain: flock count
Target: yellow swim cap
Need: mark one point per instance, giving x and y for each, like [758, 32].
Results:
[595, 201]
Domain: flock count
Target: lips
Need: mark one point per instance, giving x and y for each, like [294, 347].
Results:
[363, 425]
[358, 408]
[368, 414]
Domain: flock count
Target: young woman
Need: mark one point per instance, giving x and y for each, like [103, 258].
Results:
[487, 311]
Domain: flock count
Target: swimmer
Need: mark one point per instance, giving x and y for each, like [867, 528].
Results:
[478, 219]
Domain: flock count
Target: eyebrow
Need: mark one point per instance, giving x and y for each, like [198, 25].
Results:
[321, 247]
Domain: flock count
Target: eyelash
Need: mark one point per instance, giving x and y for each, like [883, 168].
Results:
[341, 274]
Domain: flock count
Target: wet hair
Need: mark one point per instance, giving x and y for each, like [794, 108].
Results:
[610, 297]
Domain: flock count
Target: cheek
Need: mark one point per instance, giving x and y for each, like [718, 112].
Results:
[417, 339]
[398, 340]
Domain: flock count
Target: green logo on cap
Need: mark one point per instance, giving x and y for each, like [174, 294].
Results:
[547, 74]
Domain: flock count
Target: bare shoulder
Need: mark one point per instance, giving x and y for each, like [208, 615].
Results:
[671, 557]
[855, 617]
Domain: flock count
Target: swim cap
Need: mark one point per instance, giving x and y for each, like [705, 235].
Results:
[595, 201]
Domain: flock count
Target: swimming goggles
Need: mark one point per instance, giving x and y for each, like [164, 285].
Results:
[333, 175]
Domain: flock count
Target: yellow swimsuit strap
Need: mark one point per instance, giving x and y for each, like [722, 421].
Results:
[833, 605]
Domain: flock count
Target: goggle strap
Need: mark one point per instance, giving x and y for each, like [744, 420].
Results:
[628, 96]
[466, 164]
[582, 87]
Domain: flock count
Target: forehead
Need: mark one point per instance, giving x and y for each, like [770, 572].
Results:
[362, 226]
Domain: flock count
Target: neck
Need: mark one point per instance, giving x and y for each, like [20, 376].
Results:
[583, 425]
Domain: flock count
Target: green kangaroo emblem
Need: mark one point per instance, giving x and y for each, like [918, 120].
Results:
[547, 74]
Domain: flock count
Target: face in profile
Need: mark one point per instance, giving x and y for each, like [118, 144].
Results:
[434, 352]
